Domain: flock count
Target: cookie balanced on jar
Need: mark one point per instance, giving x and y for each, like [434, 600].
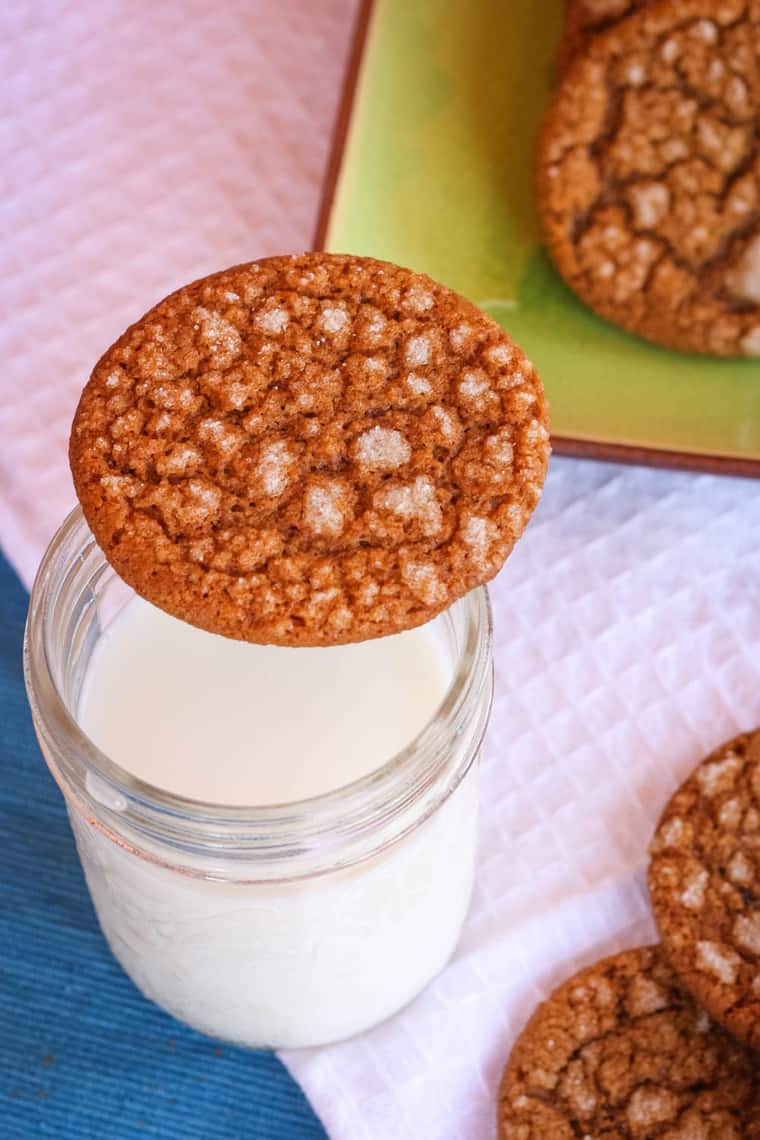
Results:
[259, 656]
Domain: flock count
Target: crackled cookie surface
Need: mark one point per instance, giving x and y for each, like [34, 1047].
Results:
[619, 1052]
[704, 880]
[649, 175]
[585, 18]
[310, 450]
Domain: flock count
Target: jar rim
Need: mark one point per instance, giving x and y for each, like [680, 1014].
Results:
[130, 809]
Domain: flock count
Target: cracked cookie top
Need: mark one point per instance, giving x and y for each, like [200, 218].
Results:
[704, 881]
[649, 175]
[620, 1051]
[585, 18]
[310, 450]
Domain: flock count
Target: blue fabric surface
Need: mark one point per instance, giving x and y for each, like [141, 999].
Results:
[82, 1054]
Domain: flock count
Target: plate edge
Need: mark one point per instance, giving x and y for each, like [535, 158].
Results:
[342, 123]
[656, 457]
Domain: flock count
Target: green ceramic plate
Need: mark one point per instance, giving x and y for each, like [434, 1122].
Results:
[432, 169]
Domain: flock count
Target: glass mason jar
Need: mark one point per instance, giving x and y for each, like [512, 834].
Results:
[279, 926]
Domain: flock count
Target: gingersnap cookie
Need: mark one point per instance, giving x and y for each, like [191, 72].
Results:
[621, 1051]
[704, 881]
[585, 18]
[310, 450]
[649, 175]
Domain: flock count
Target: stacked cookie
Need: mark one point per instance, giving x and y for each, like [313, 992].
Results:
[648, 169]
[658, 1042]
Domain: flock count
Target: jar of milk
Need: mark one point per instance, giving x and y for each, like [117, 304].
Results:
[279, 843]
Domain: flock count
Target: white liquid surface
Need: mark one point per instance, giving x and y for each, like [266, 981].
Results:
[226, 722]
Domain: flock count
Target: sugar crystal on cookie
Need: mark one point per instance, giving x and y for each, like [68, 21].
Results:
[382, 449]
